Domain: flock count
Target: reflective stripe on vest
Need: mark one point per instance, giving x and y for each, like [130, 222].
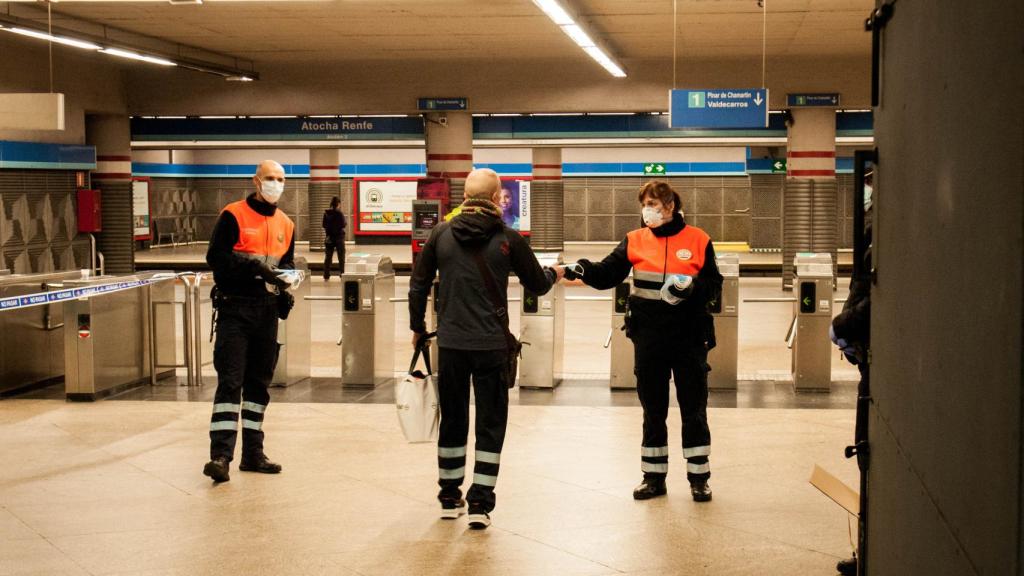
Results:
[264, 238]
[655, 258]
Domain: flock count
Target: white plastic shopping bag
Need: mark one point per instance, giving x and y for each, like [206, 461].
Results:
[416, 400]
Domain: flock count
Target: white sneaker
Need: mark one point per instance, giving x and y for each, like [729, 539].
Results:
[452, 509]
[478, 519]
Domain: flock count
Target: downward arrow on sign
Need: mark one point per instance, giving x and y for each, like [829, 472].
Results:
[758, 100]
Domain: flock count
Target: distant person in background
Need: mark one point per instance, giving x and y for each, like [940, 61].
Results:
[334, 237]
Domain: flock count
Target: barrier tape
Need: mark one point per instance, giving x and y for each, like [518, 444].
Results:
[44, 298]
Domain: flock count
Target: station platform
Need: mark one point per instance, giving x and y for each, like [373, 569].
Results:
[193, 257]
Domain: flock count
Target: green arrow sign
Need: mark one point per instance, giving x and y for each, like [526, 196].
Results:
[654, 169]
[807, 301]
[778, 166]
[621, 301]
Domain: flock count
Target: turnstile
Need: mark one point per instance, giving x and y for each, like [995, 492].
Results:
[107, 337]
[367, 320]
[621, 348]
[812, 286]
[293, 336]
[723, 357]
[32, 339]
[542, 332]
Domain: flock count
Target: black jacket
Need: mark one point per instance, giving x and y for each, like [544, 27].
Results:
[853, 324]
[334, 226]
[689, 321]
[237, 275]
[466, 316]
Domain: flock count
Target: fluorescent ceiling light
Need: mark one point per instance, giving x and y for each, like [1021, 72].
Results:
[52, 38]
[606, 62]
[554, 11]
[578, 36]
[134, 56]
[573, 30]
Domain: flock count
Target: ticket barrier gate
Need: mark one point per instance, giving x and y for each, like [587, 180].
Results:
[813, 286]
[542, 332]
[32, 339]
[110, 339]
[294, 335]
[723, 357]
[368, 320]
[621, 348]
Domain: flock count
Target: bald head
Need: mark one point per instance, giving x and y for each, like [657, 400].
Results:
[268, 171]
[483, 184]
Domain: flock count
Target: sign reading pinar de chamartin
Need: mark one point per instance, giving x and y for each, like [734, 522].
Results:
[430, 104]
[719, 108]
[798, 100]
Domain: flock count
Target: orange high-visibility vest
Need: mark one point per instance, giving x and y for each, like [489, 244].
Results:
[656, 258]
[265, 238]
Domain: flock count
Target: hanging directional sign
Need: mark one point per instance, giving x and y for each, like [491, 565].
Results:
[778, 166]
[796, 100]
[654, 169]
[719, 108]
[443, 103]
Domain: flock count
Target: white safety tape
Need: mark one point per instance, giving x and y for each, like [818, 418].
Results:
[44, 298]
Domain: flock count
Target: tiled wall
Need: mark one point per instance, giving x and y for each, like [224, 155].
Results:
[38, 224]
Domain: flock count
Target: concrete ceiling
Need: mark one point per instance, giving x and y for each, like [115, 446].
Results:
[338, 31]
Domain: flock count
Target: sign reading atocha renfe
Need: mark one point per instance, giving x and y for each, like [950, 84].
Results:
[308, 128]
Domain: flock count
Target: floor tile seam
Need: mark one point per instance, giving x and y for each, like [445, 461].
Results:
[702, 520]
[22, 522]
[564, 551]
[62, 552]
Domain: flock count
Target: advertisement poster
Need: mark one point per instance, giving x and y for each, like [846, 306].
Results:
[140, 209]
[515, 204]
[384, 207]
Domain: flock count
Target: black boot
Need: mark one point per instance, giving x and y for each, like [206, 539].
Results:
[700, 491]
[650, 488]
[217, 469]
[260, 464]
[847, 567]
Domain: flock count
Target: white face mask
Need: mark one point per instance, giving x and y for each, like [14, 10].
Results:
[652, 216]
[271, 190]
[867, 196]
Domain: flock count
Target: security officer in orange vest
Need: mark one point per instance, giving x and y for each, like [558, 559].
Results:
[674, 278]
[252, 242]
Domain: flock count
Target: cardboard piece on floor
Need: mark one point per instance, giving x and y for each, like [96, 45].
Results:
[836, 490]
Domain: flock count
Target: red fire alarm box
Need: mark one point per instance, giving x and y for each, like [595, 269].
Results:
[90, 214]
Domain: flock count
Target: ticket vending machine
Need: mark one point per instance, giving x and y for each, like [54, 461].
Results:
[426, 214]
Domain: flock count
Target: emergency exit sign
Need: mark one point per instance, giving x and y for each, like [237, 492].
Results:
[654, 169]
[778, 166]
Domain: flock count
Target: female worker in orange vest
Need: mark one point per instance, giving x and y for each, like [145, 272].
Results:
[674, 278]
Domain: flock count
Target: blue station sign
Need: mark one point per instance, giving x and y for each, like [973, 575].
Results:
[430, 104]
[719, 108]
[798, 100]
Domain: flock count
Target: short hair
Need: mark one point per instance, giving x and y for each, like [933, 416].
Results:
[662, 191]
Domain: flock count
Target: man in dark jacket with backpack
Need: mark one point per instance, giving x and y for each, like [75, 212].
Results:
[334, 237]
[473, 253]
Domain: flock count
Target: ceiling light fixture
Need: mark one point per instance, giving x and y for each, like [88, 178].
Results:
[135, 56]
[561, 17]
[87, 42]
[58, 39]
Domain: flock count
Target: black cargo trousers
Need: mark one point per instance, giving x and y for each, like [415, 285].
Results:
[244, 356]
[660, 358]
[486, 369]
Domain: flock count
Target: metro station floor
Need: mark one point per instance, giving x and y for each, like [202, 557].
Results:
[116, 488]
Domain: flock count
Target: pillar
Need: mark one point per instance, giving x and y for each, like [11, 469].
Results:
[324, 183]
[111, 135]
[449, 140]
[547, 222]
[809, 221]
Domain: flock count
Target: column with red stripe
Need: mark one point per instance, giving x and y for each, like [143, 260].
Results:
[111, 135]
[449, 142]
